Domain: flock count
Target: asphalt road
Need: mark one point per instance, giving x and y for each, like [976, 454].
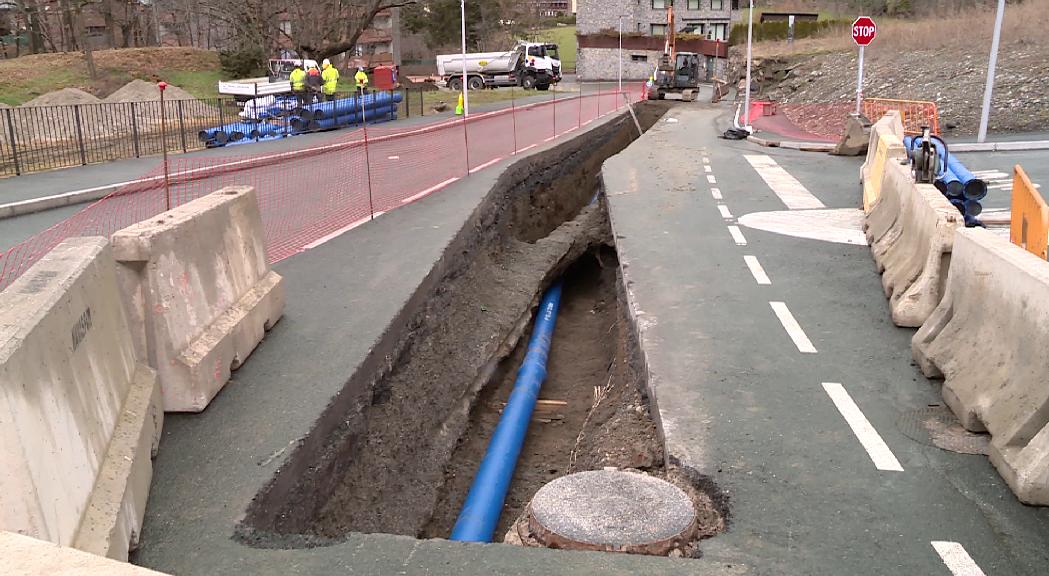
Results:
[796, 398]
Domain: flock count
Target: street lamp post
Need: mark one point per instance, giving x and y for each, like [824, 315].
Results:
[750, 32]
[466, 88]
[989, 88]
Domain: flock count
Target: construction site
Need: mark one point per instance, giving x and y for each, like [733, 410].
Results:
[660, 327]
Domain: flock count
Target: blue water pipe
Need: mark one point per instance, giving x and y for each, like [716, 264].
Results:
[484, 503]
[299, 125]
[352, 104]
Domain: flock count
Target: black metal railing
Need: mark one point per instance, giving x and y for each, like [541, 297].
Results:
[35, 139]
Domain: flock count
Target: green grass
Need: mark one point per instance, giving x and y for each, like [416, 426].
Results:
[48, 79]
[204, 84]
[564, 37]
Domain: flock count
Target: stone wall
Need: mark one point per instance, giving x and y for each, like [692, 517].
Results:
[603, 64]
[596, 15]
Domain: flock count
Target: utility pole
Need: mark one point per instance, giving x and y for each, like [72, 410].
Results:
[989, 88]
[750, 35]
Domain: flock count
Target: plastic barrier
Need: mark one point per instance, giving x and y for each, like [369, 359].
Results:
[911, 231]
[81, 416]
[914, 114]
[25, 556]
[988, 339]
[199, 292]
[886, 145]
[1029, 223]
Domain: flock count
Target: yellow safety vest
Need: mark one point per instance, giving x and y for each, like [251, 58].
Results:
[298, 79]
[330, 75]
[361, 78]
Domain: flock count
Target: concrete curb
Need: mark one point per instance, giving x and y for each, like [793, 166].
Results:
[999, 146]
[34, 205]
[793, 145]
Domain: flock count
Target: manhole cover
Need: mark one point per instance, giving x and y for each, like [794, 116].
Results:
[937, 426]
[612, 510]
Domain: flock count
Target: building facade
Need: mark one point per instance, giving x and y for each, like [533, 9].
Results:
[644, 24]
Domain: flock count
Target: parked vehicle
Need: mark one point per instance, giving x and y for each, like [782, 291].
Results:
[527, 64]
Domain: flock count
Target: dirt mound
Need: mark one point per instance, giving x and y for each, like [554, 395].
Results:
[143, 91]
[63, 97]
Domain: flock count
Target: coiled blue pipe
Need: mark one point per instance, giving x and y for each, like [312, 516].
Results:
[484, 504]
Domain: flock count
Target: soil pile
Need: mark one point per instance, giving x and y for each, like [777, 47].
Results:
[63, 97]
[142, 91]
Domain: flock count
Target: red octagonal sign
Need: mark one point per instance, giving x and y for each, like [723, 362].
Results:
[864, 30]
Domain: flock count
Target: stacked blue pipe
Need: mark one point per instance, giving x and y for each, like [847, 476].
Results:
[484, 503]
[383, 114]
[957, 183]
[349, 105]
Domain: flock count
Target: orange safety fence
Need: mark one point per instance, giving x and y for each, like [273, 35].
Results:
[309, 194]
[1029, 223]
[914, 113]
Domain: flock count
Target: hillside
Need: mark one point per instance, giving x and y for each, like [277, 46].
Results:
[22, 79]
[921, 60]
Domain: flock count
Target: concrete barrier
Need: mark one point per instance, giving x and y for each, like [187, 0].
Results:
[886, 146]
[911, 232]
[81, 415]
[988, 339]
[25, 556]
[199, 292]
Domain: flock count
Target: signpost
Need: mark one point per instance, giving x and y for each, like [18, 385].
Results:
[863, 32]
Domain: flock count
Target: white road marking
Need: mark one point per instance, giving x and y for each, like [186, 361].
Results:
[428, 191]
[485, 165]
[793, 328]
[394, 158]
[876, 448]
[757, 271]
[724, 212]
[737, 236]
[711, 179]
[707, 169]
[957, 559]
[787, 187]
[1007, 186]
[554, 137]
[706, 160]
[716, 193]
[839, 225]
[527, 148]
[991, 174]
[336, 233]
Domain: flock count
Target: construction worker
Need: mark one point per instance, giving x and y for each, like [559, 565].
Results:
[330, 76]
[314, 83]
[361, 78]
[298, 83]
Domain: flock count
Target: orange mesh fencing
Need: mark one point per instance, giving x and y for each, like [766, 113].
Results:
[914, 113]
[308, 195]
[1029, 223]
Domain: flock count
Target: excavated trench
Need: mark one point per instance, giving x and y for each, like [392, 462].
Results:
[397, 448]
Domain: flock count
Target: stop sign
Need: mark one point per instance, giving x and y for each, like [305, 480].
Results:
[864, 30]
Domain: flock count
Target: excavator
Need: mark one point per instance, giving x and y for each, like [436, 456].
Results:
[677, 72]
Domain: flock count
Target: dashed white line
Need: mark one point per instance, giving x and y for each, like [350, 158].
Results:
[737, 235]
[554, 137]
[485, 165]
[393, 158]
[757, 271]
[428, 191]
[787, 187]
[711, 179]
[526, 148]
[793, 328]
[957, 559]
[716, 193]
[876, 448]
[707, 169]
[706, 160]
[336, 233]
[724, 212]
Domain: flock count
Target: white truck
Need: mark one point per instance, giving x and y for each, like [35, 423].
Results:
[275, 84]
[527, 64]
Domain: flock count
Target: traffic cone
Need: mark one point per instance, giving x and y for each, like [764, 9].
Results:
[459, 106]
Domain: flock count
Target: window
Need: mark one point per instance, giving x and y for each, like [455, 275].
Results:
[693, 5]
[659, 29]
[694, 28]
[285, 27]
[717, 4]
[638, 58]
[717, 32]
[659, 4]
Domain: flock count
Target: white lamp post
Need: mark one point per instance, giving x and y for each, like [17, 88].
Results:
[466, 88]
[986, 112]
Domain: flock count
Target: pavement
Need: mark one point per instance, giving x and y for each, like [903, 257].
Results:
[778, 375]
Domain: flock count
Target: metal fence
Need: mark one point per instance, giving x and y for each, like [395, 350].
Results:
[39, 138]
[310, 194]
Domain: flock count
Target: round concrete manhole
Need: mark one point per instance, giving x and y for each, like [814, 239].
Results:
[612, 510]
[937, 426]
